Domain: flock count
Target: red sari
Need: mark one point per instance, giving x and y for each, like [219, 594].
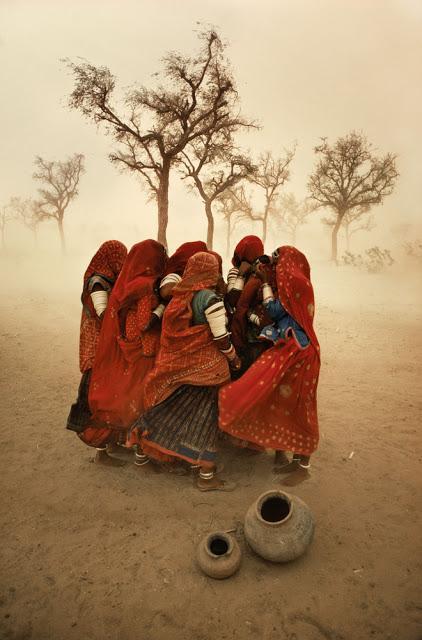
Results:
[126, 348]
[273, 405]
[188, 354]
[106, 263]
[177, 262]
[248, 249]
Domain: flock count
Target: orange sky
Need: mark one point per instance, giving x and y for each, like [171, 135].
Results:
[304, 69]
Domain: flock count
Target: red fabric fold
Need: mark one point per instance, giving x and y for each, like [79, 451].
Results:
[188, 354]
[178, 261]
[107, 262]
[274, 403]
[248, 249]
[126, 349]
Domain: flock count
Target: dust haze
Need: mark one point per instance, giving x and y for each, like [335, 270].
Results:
[116, 553]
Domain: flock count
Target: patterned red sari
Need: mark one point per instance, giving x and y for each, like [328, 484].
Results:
[177, 262]
[273, 405]
[188, 354]
[106, 263]
[126, 349]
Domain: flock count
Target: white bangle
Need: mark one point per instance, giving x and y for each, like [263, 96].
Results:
[267, 293]
[158, 311]
[99, 300]
[239, 283]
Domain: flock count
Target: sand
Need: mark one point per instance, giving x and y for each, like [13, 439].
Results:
[92, 553]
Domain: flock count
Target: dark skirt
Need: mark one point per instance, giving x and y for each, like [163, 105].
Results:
[185, 426]
[80, 413]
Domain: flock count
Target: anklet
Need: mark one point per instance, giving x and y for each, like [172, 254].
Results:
[206, 475]
[141, 459]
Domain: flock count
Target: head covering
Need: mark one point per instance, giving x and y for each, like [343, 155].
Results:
[248, 249]
[145, 263]
[107, 262]
[177, 262]
[219, 258]
[293, 275]
[202, 272]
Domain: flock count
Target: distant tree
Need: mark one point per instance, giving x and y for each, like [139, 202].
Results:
[292, 214]
[348, 176]
[6, 215]
[214, 166]
[198, 97]
[270, 175]
[354, 220]
[60, 180]
[231, 203]
[26, 212]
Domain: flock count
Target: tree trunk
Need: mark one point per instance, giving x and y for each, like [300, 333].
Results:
[264, 229]
[163, 203]
[61, 232]
[294, 237]
[3, 244]
[210, 228]
[334, 237]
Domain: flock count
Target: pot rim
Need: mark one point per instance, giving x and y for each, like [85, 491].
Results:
[219, 534]
[273, 493]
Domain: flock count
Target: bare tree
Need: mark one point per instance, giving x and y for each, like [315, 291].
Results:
[292, 213]
[6, 215]
[270, 176]
[349, 176]
[214, 166]
[158, 124]
[26, 211]
[61, 180]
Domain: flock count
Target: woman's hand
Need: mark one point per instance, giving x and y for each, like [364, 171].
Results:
[261, 272]
[244, 268]
[236, 363]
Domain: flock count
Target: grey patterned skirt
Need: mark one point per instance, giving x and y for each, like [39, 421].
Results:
[185, 426]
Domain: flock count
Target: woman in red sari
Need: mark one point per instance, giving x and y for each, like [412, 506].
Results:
[99, 279]
[176, 265]
[181, 393]
[126, 350]
[273, 405]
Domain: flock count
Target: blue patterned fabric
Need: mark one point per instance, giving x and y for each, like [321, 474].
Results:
[284, 325]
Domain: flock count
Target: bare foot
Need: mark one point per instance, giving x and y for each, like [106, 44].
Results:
[102, 457]
[119, 450]
[149, 467]
[215, 484]
[281, 462]
[300, 475]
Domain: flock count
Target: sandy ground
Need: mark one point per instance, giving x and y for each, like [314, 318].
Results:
[97, 553]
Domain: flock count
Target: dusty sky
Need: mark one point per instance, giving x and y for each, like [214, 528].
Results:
[304, 69]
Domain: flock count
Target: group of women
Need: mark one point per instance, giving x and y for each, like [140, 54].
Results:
[173, 358]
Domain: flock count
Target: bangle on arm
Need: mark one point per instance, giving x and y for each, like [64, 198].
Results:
[267, 293]
[99, 300]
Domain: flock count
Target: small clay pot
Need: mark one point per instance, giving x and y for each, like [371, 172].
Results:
[279, 526]
[218, 555]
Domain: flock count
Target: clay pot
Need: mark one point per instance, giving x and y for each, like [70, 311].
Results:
[218, 555]
[279, 526]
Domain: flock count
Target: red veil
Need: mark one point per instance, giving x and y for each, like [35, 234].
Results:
[188, 354]
[126, 351]
[249, 249]
[274, 403]
[107, 262]
[177, 262]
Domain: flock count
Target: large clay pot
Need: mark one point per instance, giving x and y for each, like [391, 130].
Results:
[279, 526]
[218, 555]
